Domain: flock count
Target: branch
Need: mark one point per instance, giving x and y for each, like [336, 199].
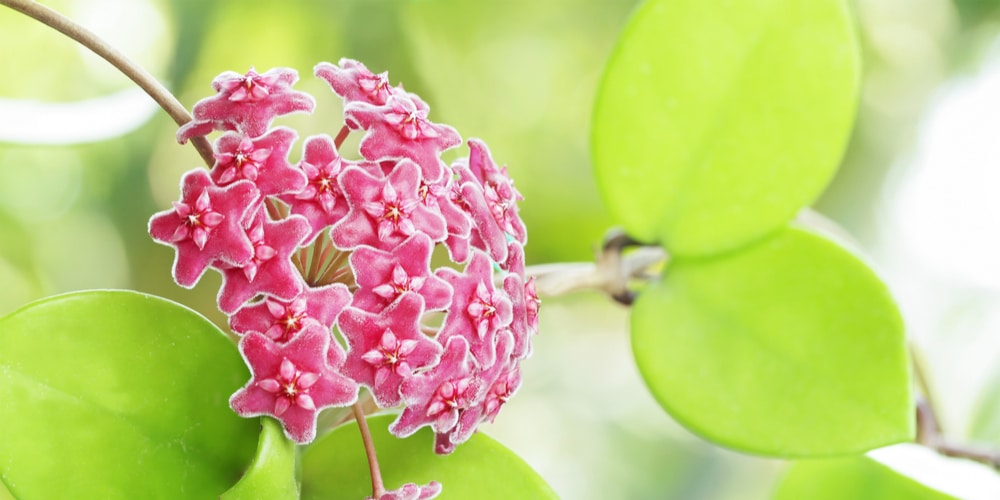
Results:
[141, 77]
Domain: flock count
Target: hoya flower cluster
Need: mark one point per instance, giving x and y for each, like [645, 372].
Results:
[346, 243]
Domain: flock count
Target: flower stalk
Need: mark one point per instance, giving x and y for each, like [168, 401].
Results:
[378, 489]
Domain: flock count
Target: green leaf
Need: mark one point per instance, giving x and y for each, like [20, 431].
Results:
[335, 466]
[791, 347]
[717, 121]
[853, 477]
[116, 394]
[272, 473]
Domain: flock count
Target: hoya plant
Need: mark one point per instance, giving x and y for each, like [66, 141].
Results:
[379, 307]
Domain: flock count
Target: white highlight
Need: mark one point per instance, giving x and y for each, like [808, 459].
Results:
[957, 477]
[91, 120]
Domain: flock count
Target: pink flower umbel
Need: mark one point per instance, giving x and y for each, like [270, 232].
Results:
[292, 382]
[327, 261]
[206, 225]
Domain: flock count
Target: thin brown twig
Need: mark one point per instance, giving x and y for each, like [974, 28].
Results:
[133, 71]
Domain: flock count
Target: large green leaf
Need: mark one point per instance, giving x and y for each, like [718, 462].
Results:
[272, 473]
[335, 466]
[790, 347]
[718, 120]
[859, 478]
[115, 394]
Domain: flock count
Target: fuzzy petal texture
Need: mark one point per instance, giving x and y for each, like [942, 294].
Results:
[434, 398]
[384, 211]
[280, 320]
[262, 160]
[353, 81]
[291, 382]
[386, 348]
[247, 103]
[270, 272]
[478, 310]
[411, 491]
[400, 129]
[383, 276]
[320, 201]
[206, 225]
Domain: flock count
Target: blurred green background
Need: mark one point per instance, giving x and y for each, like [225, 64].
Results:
[84, 162]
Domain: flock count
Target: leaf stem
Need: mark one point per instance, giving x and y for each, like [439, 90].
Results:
[378, 489]
[141, 77]
[611, 273]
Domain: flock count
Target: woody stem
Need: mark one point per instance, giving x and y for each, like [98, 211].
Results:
[141, 77]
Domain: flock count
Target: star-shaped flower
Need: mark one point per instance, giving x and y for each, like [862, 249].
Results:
[280, 319]
[383, 276]
[206, 225]
[321, 201]
[384, 349]
[291, 382]
[384, 211]
[262, 161]
[353, 81]
[270, 271]
[475, 413]
[478, 310]
[400, 129]
[247, 103]
[436, 397]
[438, 197]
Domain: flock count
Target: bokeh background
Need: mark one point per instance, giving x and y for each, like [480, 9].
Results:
[85, 159]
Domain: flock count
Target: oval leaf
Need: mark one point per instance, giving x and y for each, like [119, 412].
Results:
[115, 394]
[791, 347]
[853, 477]
[272, 473]
[717, 121]
[335, 466]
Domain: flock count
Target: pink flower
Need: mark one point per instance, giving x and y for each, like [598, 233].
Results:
[410, 491]
[206, 225]
[436, 397]
[280, 320]
[262, 160]
[384, 211]
[247, 103]
[270, 270]
[321, 200]
[385, 349]
[383, 276]
[291, 382]
[475, 412]
[478, 310]
[352, 81]
[400, 129]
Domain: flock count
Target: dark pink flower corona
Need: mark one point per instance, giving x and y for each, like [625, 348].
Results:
[344, 240]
